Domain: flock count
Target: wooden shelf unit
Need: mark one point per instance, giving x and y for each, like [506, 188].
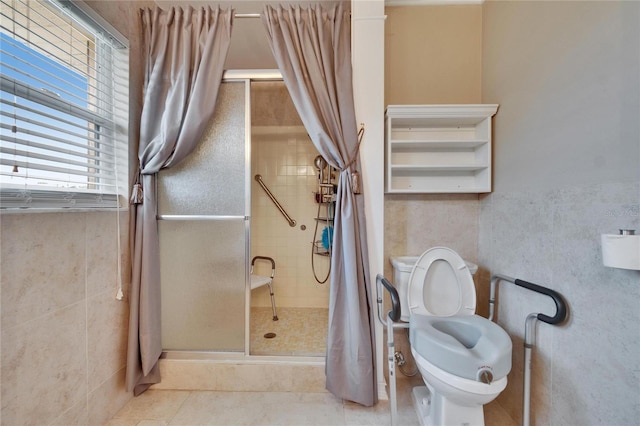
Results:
[438, 148]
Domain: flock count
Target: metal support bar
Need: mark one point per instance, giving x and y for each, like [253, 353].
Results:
[292, 222]
[561, 307]
[529, 330]
[391, 324]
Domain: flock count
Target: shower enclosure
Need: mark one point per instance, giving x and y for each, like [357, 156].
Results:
[214, 218]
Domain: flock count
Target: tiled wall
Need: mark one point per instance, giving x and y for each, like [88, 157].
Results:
[567, 158]
[415, 223]
[585, 371]
[63, 331]
[282, 152]
[285, 162]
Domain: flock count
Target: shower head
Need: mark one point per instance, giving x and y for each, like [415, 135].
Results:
[320, 162]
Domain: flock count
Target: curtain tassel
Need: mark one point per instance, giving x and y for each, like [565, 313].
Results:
[356, 182]
[356, 186]
[137, 195]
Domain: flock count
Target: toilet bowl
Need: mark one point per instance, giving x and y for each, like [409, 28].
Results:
[464, 359]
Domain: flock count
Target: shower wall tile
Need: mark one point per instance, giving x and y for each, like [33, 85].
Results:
[37, 251]
[285, 161]
[587, 370]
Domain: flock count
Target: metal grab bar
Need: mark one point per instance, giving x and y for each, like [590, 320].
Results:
[394, 314]
[391, 324]
[561, 307]
[529, 330]
[292, 222]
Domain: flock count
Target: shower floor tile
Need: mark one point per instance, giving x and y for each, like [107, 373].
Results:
[298, 331]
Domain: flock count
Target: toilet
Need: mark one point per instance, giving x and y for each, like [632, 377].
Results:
[464, 358]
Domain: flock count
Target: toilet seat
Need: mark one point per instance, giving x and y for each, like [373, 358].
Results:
[441, 285]
[462, 345]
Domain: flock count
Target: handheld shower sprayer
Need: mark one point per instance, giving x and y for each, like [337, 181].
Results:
[320, 164]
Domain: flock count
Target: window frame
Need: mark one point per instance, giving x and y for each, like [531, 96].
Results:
[112, 126]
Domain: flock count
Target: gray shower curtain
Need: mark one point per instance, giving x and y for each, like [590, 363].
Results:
[185, 54]
[312, 46]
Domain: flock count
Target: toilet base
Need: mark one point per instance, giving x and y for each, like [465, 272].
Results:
[434, 410]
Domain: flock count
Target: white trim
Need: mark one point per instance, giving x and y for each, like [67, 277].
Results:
[94, 20]
[237, 357]
[382, 391]
[367, 32]
[252, 75]
[431, 2]
[369, 18]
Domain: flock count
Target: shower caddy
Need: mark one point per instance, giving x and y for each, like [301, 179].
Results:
[325, 198]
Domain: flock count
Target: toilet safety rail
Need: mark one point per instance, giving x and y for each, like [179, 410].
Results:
[561, 307]
[391, 323]
[394, 313]
[292, 222]
[529, 329]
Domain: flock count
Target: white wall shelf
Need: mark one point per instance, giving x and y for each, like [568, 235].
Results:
[438, 148]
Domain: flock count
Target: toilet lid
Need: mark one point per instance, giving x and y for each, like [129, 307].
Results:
[440, 284]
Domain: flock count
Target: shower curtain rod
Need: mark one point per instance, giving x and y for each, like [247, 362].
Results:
[360, 18]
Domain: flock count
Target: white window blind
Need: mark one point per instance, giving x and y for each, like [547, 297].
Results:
[64, 92]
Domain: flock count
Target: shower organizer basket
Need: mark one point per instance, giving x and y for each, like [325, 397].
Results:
[326, 200]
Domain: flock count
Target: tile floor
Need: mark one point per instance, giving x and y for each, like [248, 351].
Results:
[299, 331]
[308, 326]
[191, 408]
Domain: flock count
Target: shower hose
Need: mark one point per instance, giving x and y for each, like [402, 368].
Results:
[315, 238]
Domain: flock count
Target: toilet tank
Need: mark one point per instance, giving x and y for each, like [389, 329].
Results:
[402, 266]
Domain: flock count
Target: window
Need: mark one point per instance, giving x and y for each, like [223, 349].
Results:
[63, 107]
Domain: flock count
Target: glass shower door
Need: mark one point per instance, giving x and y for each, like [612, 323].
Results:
[203, 226]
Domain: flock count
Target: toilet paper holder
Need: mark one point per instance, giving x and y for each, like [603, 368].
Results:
[621, 250]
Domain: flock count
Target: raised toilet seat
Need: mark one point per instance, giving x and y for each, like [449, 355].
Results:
[463, 358]
[466, 346]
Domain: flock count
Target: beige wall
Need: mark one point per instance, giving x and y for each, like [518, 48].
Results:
[433, 54]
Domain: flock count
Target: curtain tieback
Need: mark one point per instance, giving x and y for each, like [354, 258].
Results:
[356, 183]
[137, 195]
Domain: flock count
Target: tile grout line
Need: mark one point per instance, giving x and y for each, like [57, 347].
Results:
[86, 316]
[190, 395]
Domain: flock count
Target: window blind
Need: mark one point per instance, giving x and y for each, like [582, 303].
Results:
[64, 89]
